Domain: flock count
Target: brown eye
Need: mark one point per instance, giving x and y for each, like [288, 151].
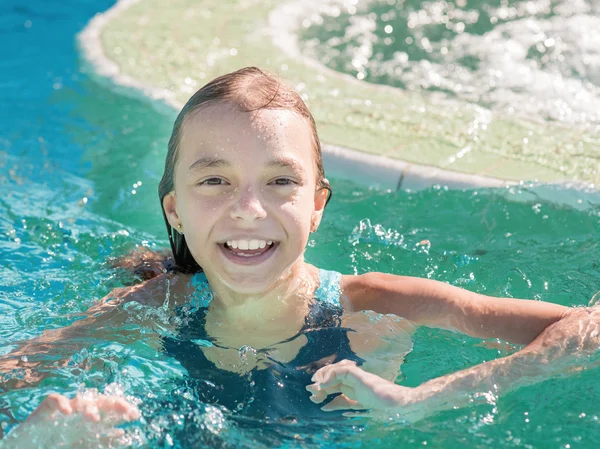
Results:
[212, 182]
[283, 182]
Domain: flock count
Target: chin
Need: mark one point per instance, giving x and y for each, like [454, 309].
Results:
[249, 284]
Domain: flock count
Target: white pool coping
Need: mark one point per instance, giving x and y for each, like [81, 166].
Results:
[396, 174]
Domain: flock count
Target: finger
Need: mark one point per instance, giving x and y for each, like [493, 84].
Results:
[348, 374]
[114, 405]
[133, 415]
[54, 402]
[91, 413]
[115, 433]
[339, 381]
[86, 405]
[321, 373]
[326, 373]
[313, 388]
[59, 402]
[330, 378]
[317, 389]
[320, 393]
[79, 402]
[341, 402]
[319, 397]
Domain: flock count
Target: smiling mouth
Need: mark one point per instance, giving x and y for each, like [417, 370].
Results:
[249, 252]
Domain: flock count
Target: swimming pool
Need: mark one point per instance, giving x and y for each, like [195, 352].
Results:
[79, 167]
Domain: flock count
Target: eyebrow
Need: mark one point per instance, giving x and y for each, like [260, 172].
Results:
[286, 162]
[215, 162]
[209, 162]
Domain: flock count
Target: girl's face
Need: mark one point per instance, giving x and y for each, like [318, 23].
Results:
[245, 194]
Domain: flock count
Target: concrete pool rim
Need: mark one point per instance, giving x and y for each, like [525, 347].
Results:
[386, 172]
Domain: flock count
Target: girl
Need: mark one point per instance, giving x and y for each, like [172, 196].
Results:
[242, 190]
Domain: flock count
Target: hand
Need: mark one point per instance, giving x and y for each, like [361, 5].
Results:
[360, 390]
[87, 419]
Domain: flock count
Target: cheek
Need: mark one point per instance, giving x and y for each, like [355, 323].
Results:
[200, 206]
[299, 214]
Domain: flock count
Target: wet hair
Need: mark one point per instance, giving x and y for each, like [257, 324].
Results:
[249, 90]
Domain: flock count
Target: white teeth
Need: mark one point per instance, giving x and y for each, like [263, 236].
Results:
[248, 244]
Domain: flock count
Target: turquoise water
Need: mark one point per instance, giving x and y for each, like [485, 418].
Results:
[79, 168]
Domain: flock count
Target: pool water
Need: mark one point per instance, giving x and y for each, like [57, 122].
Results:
[79, 165]
[535, 58]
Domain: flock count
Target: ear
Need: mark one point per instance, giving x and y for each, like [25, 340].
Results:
[320, 202]
[169, 203]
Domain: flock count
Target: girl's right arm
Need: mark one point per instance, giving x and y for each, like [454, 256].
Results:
[103, 321]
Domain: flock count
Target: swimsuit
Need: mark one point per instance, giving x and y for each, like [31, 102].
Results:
[277, 392]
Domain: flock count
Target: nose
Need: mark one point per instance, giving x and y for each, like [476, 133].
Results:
[247, 205]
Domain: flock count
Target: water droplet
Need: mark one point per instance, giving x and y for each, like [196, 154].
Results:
[246, 351]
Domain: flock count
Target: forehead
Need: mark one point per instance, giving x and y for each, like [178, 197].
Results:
[222, 129]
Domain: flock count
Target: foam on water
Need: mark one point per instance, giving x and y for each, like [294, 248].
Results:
[536, 59]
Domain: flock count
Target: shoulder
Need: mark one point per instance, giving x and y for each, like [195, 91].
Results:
[152, 292]
[357, 289]
[372, 282]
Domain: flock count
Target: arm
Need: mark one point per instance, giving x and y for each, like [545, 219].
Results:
[569, 345]
[566, 346]
[104, 321]
[436, 304]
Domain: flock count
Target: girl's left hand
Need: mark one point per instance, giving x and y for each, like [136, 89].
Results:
[359, 390]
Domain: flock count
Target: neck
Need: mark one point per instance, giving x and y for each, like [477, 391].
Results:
[299, 280]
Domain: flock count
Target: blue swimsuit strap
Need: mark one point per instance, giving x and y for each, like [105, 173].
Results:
[202, 295]
[328, 291]
[329, 288]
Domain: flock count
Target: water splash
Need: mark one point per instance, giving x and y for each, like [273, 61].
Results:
[531, 58]
[365, 232]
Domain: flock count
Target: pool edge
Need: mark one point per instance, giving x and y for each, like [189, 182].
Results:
[342, 162]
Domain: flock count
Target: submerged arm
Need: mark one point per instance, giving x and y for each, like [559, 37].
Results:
[105, 320]
[569, 345]
[564, 347]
